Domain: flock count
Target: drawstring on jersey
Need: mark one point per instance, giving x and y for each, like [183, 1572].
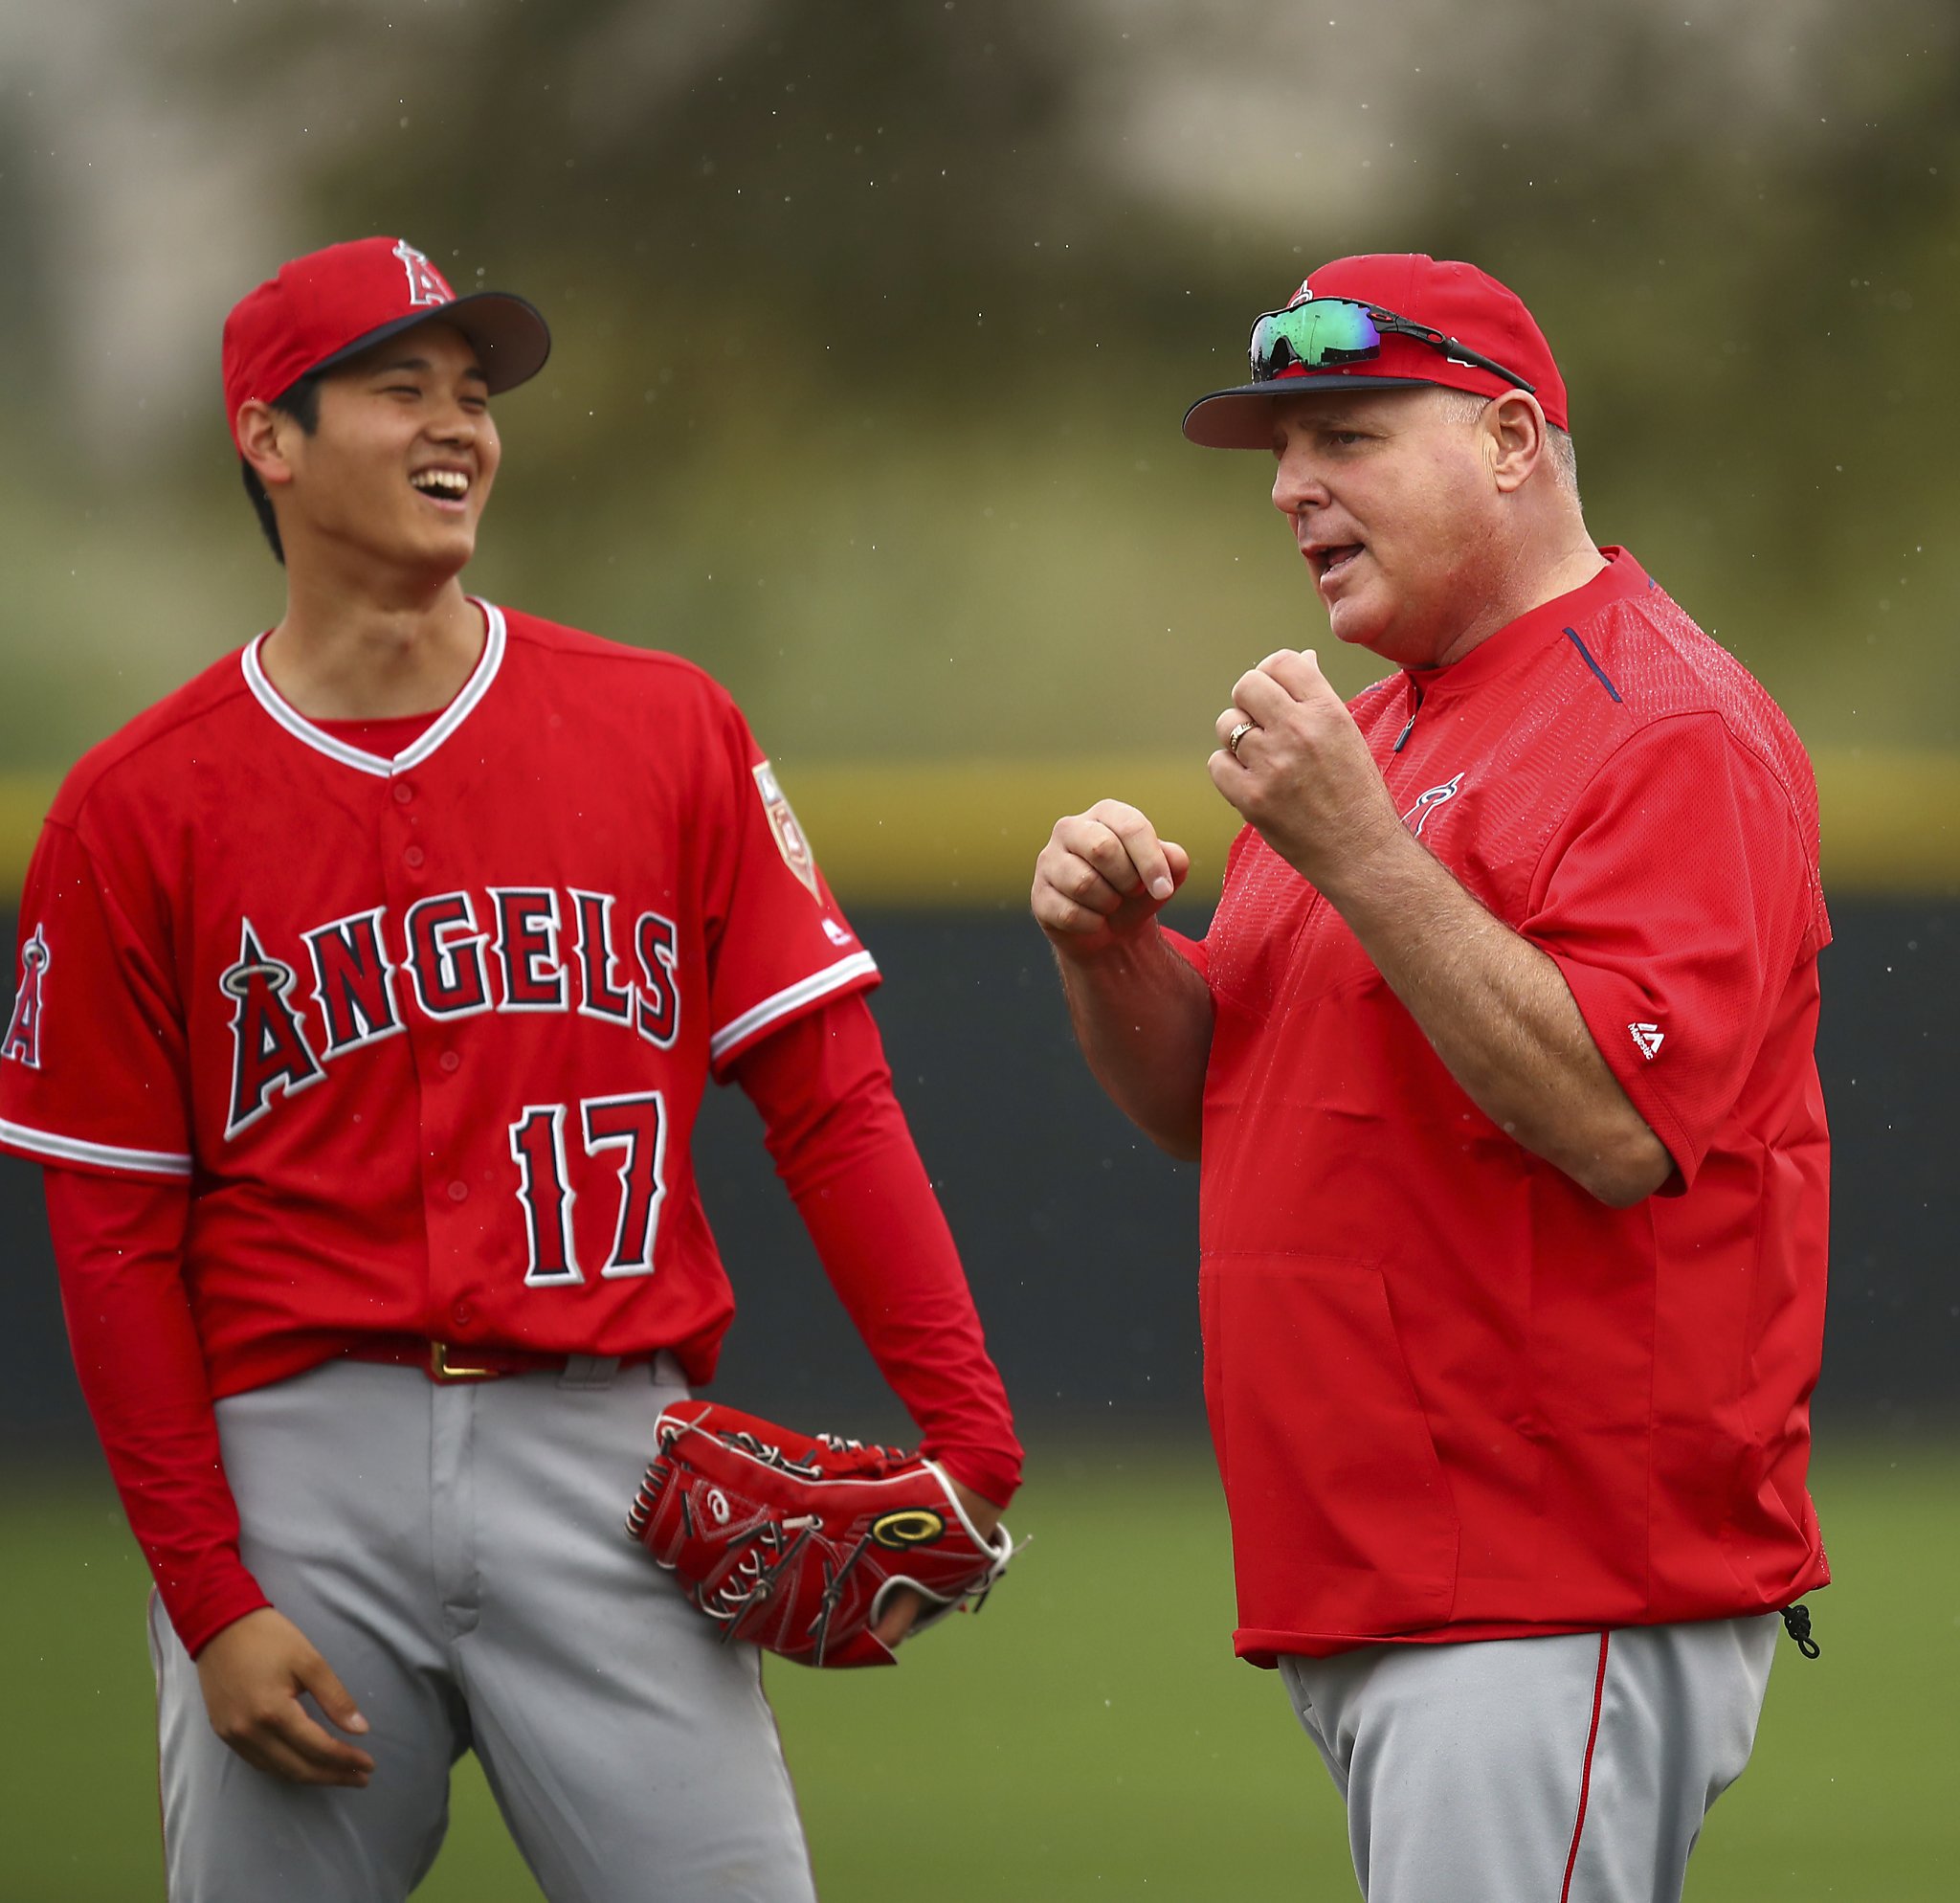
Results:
[1413, 712]
[1796, 1622]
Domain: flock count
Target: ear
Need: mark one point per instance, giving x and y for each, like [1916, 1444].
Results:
[263, 433]
[1516, 439]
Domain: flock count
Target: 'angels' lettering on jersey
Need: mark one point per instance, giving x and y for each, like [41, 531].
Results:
[463, 955]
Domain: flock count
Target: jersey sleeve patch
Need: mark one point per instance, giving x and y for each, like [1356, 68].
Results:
[23, 1041]
[92, 1060]
[789, 838]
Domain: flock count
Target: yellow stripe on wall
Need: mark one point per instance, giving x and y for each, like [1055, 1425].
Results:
[964, 832]
[23, 801]
[967, 832]
[1891, 821]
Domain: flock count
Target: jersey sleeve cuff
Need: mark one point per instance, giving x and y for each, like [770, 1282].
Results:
[858, 972]
[200, 1618]
[1614, 1011]
[1190, 949]
[993, 1476]
[114, 1159]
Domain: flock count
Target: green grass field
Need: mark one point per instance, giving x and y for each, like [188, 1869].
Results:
[1089, 1735]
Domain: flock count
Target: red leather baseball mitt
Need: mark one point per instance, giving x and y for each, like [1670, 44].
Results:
[796, 1542]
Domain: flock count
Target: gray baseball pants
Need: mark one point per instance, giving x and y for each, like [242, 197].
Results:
[1574, 1769]
[457, 1555]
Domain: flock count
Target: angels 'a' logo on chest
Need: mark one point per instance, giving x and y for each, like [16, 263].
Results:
[452, 955]
[1418, 816]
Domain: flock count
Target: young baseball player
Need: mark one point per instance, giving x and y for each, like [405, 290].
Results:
[1498, 1055]
[370, 984]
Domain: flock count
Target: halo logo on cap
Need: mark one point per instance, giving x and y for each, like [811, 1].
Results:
[426, 285]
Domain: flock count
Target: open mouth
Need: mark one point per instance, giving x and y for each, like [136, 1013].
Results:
[1330, 562]
[442, 485]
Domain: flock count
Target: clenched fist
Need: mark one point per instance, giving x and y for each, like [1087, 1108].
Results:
[1302, 772]
[1102, 876]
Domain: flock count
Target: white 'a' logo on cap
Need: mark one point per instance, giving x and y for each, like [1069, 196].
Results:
[425, 281]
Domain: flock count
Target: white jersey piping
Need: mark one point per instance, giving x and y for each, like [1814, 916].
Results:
[105, 1156]
[790, 999]
[452, 717]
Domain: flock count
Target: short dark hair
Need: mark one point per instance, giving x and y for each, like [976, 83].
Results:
[300, 401]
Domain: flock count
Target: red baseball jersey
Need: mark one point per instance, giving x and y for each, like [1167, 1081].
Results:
[427, 1033]
[1452, 1395]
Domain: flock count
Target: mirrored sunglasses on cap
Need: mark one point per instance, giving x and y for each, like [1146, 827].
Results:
[1323, 333]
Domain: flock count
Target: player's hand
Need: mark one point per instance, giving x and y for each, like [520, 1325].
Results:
[1302, 774]
[1102, 875]
[905, 1606]
[251, 1675]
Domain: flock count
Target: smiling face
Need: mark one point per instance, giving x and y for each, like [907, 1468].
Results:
[401, 464]
[1395, 509]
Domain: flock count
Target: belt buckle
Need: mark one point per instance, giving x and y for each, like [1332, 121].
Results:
[442, 1369]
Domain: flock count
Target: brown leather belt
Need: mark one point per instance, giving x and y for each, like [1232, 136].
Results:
[445, 1362]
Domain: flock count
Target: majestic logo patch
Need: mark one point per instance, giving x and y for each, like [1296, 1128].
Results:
[1417, 816]
[1650, 1038]
[23, 1042]
[790, 840]
[425, 284]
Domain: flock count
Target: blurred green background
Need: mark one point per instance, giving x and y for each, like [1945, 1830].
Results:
[873, 327]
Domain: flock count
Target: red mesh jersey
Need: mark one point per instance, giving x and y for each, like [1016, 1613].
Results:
[1452, 1395]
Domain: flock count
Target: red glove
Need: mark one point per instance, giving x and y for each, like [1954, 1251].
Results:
[796, 1542]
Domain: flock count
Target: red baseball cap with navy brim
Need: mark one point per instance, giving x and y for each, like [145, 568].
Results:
[319, 310]
[1456, 298]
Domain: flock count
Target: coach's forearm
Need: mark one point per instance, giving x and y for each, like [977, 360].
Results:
[1501, 1017]
[1142, 1018]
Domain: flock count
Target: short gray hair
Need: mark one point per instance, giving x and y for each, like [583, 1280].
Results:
[1464, 406]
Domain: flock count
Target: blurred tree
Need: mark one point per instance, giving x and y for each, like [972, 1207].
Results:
[874, 325]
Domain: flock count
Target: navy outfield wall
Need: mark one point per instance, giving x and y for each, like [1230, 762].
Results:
[1081, 1240]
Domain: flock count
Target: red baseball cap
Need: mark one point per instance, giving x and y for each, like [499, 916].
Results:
[331, 304]
[1465, 304]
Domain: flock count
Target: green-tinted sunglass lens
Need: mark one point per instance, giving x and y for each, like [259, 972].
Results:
[1318, 332]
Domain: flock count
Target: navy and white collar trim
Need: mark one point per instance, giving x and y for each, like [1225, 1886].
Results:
[453, 716]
